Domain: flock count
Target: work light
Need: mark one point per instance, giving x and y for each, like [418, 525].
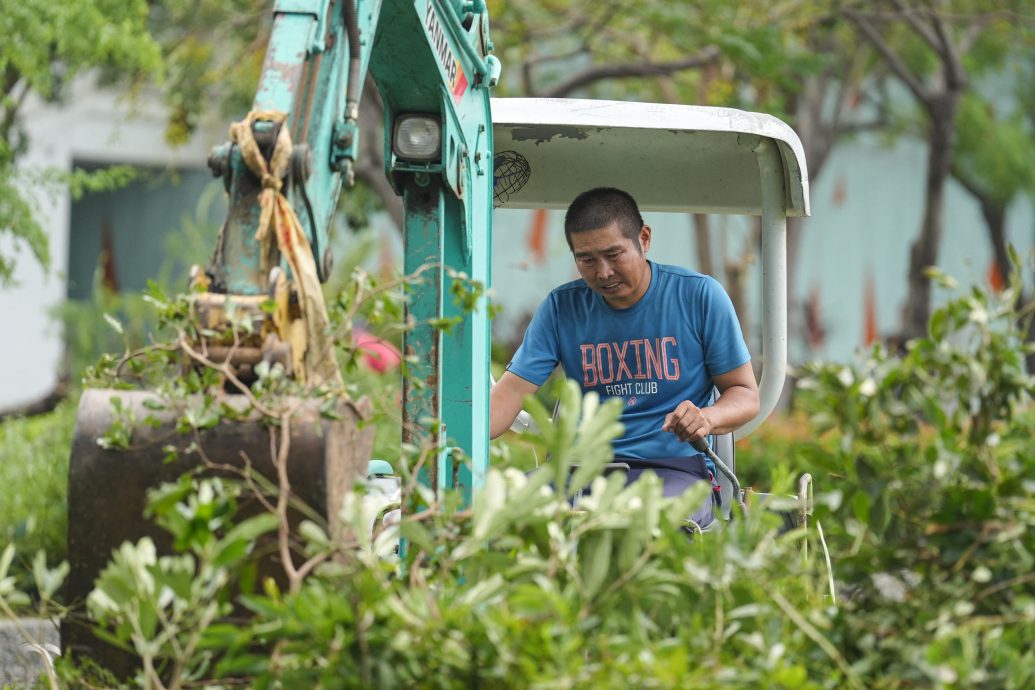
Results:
[418, 138]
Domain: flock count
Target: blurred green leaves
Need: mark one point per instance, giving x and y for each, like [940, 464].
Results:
[47, 44]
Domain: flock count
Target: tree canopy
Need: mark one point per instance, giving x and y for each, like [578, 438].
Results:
[46, 44]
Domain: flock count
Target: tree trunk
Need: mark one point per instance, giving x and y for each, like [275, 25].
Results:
[703, 243]
[995, 220]
[924, 252]
[736, 270]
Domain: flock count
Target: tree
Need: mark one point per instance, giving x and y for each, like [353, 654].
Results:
[930, 47]
[46, 44]
[992, 162]
[825, 107]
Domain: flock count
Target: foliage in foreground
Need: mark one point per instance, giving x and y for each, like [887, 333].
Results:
[923, 463]
[518, 592]
[33, 478]
[935, 529]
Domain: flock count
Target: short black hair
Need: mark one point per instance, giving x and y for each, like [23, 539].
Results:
[601, 207]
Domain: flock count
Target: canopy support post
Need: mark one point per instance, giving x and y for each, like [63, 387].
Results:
[774, 282]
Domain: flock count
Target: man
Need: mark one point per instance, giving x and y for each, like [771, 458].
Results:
[660, 337]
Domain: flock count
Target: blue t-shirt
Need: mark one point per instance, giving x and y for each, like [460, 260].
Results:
[664, 349]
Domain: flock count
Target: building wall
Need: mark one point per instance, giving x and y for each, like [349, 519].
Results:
[101, 127]
[129, 235]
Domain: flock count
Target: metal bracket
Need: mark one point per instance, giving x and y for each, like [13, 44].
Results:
[450, 460]
[317, 8]
[480, 156]
[461, 39]
[457, 169]
[345, 148]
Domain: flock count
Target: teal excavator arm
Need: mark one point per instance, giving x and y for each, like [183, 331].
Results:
[289, 158]
[431, 63]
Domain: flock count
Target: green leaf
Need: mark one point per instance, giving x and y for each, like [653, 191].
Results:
[48, 580]
[880, 513]
[938, 324]
[243, 665]
[229, 552]
[5, 560]
[595, 551]
[254, 527]
[861, 507]
[115, 324]
[314, 534]
[329, 409]
[416, 533]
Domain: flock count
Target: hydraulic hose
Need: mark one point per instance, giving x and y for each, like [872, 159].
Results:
[352, 89]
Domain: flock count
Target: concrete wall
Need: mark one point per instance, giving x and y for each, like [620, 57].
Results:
[95, 125]
[27, 646]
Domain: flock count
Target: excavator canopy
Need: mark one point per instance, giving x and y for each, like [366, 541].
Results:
[669, 157]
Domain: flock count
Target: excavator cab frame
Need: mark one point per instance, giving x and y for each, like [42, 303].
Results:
[674, 158]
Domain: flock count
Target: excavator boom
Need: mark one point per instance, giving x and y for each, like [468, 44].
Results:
[283, 169]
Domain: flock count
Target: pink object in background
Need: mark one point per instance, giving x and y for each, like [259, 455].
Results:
[378, 355]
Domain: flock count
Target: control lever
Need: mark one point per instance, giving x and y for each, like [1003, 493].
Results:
[701, 446]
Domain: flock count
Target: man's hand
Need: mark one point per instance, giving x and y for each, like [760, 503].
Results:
[688, 422]
[737, 403]
[505, 401]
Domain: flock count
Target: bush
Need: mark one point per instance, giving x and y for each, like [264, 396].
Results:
[931, 514]
[518, 592]
[34, 480]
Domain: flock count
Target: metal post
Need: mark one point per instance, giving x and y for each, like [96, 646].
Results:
[465, 348]
[774, 283]
[422, 386]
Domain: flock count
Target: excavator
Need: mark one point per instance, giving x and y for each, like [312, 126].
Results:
[452, 153]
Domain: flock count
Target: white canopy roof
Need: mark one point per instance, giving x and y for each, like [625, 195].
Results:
[669, 157]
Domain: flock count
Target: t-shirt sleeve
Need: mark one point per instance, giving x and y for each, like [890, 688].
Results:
[724, 347]
[538, 354]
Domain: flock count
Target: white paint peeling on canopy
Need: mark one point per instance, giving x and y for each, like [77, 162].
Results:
[669, 157]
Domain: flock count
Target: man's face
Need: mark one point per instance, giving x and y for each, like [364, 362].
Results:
[612, 264]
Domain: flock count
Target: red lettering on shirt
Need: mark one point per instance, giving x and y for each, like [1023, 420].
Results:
[589, 371]
[602, 350]
[622, 366]
[653, 359]
[673, 373]
[637, 344]
[608, 362]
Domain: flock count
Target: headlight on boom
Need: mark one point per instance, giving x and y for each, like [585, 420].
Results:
[417, 138]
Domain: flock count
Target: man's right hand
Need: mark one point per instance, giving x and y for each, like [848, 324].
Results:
[688, 422]
[505, 401]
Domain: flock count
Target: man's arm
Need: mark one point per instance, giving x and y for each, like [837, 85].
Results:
[505, 400]
[737, 404]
